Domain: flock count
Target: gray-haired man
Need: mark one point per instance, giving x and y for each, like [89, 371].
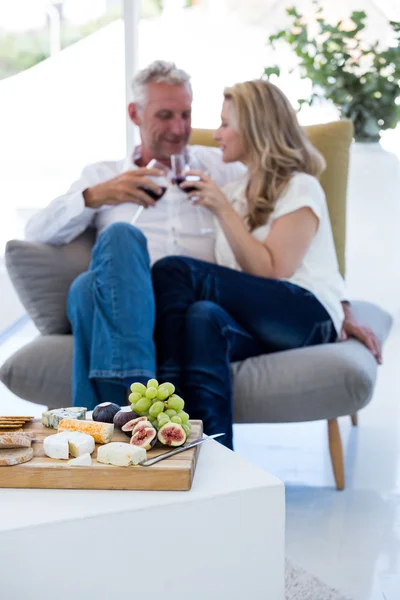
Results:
[111, 306]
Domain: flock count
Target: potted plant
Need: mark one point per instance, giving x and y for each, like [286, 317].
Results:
[362, 79]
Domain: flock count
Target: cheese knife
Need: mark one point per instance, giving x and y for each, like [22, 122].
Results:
[153, 461]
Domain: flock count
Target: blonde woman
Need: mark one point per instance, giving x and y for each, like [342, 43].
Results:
[276, 284]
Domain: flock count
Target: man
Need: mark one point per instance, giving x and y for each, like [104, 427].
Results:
[111, 306]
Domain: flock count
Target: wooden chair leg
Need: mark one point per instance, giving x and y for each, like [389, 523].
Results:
[336, 452]
[354, 419]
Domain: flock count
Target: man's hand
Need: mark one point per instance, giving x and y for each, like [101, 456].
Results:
[351, 328]
[124, 188]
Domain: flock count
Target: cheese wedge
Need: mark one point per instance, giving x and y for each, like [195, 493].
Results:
[81, 461]
[121, 454]
[101, 432]
[51, 418]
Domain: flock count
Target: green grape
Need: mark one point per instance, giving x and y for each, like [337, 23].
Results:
[133, 406]
[134, 397]
[183, 415]
[176, 402]
[162, 419]
[152, 419]
[170, 412]
[162, 393]
[151, 393]
[152, 383]
[176, 419]
[186, 428]
[143, 405]
[138, 387]
[156, 408]
[169, 387]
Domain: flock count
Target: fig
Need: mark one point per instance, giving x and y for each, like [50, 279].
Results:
[172, 434]
[141, 425]
[145, 437]
[123, 416]
[105, 412]
[131, 424]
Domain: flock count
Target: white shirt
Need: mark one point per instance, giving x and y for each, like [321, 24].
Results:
[319, 271]
[173, 226]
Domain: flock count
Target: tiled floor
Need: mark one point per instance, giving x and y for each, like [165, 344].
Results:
[350, 539]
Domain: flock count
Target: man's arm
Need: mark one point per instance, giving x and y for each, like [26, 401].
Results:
[100, 184]
[351, 328]
[67, 216]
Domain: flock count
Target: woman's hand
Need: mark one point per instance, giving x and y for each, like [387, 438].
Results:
[206, 193]
[351, 328]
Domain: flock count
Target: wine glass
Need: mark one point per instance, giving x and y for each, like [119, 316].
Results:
[160, 180]
[179, 170]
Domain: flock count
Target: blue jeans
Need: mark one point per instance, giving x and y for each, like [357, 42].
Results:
[112, 314]
[208, 316]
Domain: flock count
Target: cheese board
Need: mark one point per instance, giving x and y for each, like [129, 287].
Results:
[175, 473]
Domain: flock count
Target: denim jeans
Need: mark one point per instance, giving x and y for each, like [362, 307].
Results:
[112, 314]
[208, 316]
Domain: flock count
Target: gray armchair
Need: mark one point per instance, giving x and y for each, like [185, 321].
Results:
[321, 382]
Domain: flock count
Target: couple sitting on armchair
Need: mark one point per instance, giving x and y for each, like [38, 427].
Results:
[160, 299]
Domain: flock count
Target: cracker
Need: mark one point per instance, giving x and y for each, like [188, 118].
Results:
[15, 456]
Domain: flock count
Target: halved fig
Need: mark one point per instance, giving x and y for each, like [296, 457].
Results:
[141, 425]
[172, 434]
[131, 423]
[145, 437]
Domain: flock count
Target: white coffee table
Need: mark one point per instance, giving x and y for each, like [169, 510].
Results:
[223, 540]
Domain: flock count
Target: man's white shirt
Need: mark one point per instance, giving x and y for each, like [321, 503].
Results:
[173, 226]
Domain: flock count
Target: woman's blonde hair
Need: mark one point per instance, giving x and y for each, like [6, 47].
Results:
[274, 143]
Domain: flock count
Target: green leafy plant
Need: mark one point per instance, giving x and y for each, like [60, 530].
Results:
[360, 78]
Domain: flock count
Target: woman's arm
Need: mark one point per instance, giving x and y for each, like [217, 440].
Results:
[283, 250]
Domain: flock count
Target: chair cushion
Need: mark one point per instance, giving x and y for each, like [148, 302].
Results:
[41, 371]
[308, 384]
[42, 274]
[319, 382]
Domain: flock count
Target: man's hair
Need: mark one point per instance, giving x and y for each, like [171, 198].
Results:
[160, 71]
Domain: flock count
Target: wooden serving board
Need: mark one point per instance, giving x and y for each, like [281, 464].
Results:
[175, 473]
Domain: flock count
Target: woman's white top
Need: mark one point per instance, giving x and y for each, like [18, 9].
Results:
[319, 271]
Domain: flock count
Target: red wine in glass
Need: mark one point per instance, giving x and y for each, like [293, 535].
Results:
[180, 179]
[151, 193]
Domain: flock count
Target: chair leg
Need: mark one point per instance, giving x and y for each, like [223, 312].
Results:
[336, 452]
[354, 419]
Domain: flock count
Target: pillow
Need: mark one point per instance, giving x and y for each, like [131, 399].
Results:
[42, 275]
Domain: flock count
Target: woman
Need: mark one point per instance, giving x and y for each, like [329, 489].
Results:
[277, 284]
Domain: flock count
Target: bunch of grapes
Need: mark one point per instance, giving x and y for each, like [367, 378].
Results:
[159, 404]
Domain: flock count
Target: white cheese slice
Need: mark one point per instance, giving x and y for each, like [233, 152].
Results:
[85, 460]
[60, 445]
[121, 454]
[56, 446]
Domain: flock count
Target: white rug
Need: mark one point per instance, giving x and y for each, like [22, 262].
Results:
[301, 585]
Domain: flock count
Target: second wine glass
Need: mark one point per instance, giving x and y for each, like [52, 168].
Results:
[160, 180]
